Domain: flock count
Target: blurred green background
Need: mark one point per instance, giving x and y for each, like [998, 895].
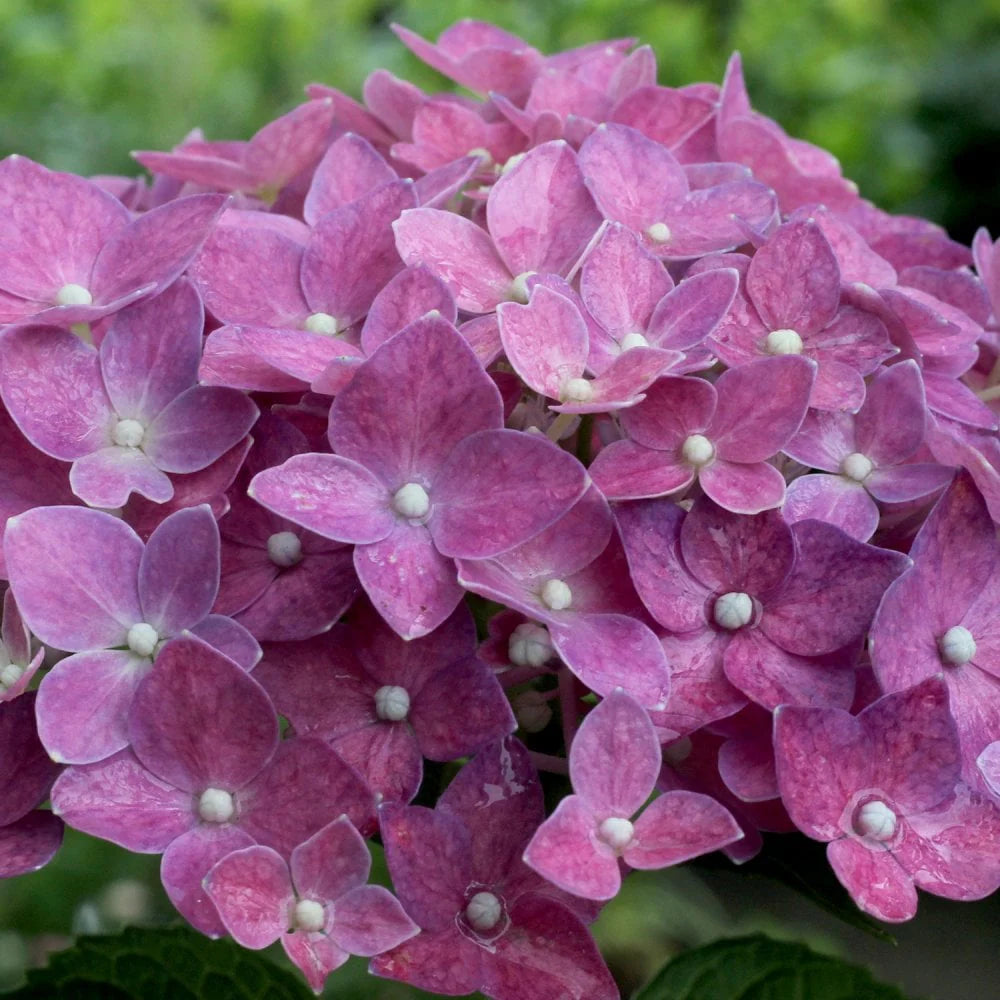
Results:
[904, 92]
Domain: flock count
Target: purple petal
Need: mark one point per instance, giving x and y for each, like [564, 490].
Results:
[384, 753]
[531, 483]
[370, 920]
[84, 701]
[229, 637]
[350, 168]
[303, 787]
[30, 843]
[86, 602]
[441, 396]
[252, 892]
[199, 721]
[327, 494]
[410, 583]
[615, 757]
[838, 501]
[874, 878]
[686, 316]
[197, 427]
[27, 772]
[443, 960]
[625, 470]
[51, 384]
[743, 489]
[413, 293]
[179, 572]
[109, 476]
[332, 862]
[117, 799]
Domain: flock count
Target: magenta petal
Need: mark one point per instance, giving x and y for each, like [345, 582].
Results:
[186, 862]
[51, 384]
[890, 426]
[327, 494]
[26, 772]
[197, 427]
[410, 583]
[350, 168]
[548, 952]
[156, 247]
[413, 293]
[30, 843]
[200, 721]
[73, 572]
[229, 637]
[440, 395]
[540, 214]
[615, 757]
[117, 799]
[566, 851]
[83, 704]
[303, 787]
[179, 572]
[458, 252]
[531, 483]
[151, 353]
[385, 754]
[678, 826]
[332, 862]
[673, 408]
[252, 891]
[874, 878]
[686, 316]
[369, 920]
[612, 650]
[743, 489]
[908, 482]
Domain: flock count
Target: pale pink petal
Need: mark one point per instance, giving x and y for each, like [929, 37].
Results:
[874, 878]
[678, 826]
[370, 920]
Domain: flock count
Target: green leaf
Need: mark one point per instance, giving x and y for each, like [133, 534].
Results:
[758, 968]
[801, 864]
[163, 964]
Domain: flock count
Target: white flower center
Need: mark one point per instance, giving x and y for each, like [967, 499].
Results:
[556, 595]
[323, 323]
[733, 610]
[142, 639]
[512, 162]
[128, 433]
[411, 501]
[483, 911]
[529, 646]
[519, 287]
[857, 467]
[577, 390]
[658, 232]
[783, 342]
[73, 295]
[484, 155]
[10, 674]
[216, 806]
[631, 340]
[957, 646]
[616, 832]
[284, 549]
[309, 915]
[875, 820]
[697, 450]
[392, 703]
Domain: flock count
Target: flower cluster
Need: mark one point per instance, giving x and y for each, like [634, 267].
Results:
[585, 408]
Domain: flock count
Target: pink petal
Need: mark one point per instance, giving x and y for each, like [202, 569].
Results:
[370, 920]
[625, 470]
[30, 843]
[834, 499]
[686, 316]
[615, 757]
[252, 892]
[678, 826]
[331, 863]
[743, 489]
[108, 478]
[874, 878]
[350, 168]
[442, 960]
[230, 638]
[565, 850]
[413, 293]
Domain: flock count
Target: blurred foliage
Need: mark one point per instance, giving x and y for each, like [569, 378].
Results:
[901, 90]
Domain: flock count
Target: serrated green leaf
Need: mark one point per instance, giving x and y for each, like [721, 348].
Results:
[163, 964]
[759, 968]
